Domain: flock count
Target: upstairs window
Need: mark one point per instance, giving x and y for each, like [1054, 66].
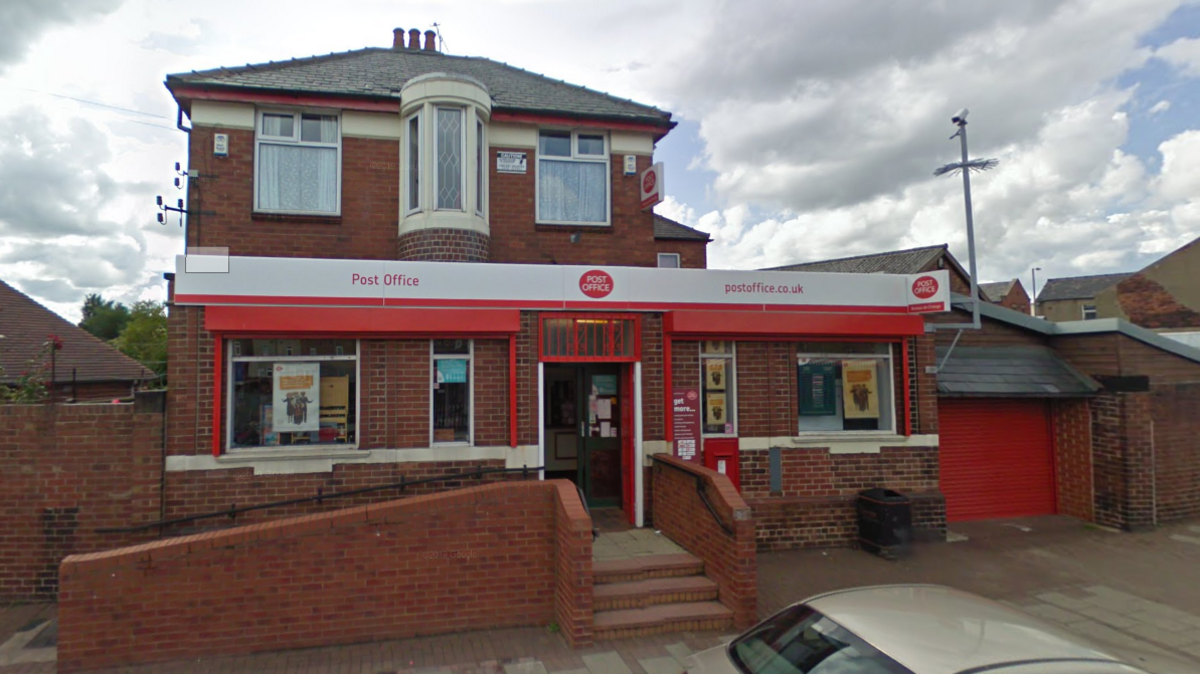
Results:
[298, 165]
[572, 178]
[448, 151]
[669, 260]
[413, 182]
[1089, 312]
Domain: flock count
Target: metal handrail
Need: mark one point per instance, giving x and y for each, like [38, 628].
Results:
[233, 511]
[703, 496]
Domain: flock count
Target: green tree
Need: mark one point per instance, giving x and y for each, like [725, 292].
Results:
[103, 318]
[144, 337]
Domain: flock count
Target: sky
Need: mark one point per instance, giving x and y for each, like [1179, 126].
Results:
[806, 130]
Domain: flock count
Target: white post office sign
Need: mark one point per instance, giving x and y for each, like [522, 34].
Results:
[510, 162]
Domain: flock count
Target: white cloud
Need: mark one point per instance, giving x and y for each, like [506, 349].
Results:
[1161, 106]
[1183, 53]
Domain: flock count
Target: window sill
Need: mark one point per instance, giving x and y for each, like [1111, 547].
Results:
[568, 226]
[290, 454]
[305, 218]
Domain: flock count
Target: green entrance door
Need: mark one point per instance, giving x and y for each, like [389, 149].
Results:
[600, 434]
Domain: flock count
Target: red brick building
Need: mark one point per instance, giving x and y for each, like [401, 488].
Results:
[438, 262]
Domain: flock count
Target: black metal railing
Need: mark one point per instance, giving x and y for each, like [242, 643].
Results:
[233, 511]
[701, 492]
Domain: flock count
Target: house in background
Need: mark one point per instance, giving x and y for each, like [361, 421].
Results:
[85, 368]
[1074, 298]
[1009, 294]
[910, 261]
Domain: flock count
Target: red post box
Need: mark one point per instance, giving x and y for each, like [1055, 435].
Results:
[722, 455]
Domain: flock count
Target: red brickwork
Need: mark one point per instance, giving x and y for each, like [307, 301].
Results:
[573, 566]
[816, 504]
[1148, 304]
[692, 254]
[66, 470]
[1176, 414]
[190, 371]
[652, 378]
[472, 559]
[628, 240]
[729, 558]
[444, 245]
[366, 228]
[1073, 458]
[924, 395]
[396, 388]
[527, 379]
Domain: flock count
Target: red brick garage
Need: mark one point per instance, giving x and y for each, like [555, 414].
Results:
[997, 458]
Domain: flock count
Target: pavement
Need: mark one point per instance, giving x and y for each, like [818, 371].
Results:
[1126, 590]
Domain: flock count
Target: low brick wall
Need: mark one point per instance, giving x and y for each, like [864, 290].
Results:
[478, 558]
[729, 559]
[790, 523]
[66, 470]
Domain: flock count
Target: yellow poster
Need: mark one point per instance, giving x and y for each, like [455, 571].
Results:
[714, 373]
[716, 411]
[860, 389]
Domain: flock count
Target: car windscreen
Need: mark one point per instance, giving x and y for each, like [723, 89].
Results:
[802, 641]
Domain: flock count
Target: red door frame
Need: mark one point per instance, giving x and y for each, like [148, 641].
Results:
[628, 445]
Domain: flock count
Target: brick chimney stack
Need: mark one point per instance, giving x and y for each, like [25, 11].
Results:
[397, 38]
[430, 41]
[414, 38]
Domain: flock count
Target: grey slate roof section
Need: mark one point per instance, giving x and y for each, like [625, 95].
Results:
[666, 228]
[380, 73]
[1010, 372]
[1004, 315]
[996, 291]
[908, 261]
[1078, 287]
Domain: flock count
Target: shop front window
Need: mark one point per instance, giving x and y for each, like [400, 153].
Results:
[845, 387]
[717, 373]
[451, 409]
[285, 392]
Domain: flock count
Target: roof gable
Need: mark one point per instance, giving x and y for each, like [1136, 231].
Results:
[27, 324]
[997, 291]
[381, 73]
[666, 228]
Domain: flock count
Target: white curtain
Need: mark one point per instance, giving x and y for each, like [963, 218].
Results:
[572, 191]
[298, 178]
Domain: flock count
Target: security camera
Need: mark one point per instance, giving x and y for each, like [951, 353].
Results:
[960, 117]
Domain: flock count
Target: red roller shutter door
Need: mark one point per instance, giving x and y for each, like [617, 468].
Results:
[997, 458]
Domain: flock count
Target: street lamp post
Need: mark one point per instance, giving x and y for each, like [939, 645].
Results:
[1033, 290]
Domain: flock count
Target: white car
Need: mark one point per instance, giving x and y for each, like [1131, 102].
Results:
[916, 629]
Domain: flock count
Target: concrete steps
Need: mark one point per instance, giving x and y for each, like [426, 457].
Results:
[654, 595]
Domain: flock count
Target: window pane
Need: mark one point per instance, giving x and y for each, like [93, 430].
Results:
[554, 144]
[451, 400]
[449, 149]
[280, 126]
[292, 347]
[845, 394]
[254, 399]
[479, 167]
[318, 128]
[593, 145]
[452, 346]
[572, 191]
[668, 260]
[717, 394]
[297, 178]
[414, 163]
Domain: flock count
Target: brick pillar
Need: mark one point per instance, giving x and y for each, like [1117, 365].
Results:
[1123, 461]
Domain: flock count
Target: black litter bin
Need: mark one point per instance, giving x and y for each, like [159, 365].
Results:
[884, 522]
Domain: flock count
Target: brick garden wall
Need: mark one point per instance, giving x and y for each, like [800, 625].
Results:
[729, 559]
[479, 558]
[1176, 415]
[1073, 458]
[66, 470]
[1122, 460]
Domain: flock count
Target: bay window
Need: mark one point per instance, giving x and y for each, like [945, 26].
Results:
[284, 392]
[572, 180]
[297, 168]
[413, 182]
[448, 151]
[845, 387]
[450, 413]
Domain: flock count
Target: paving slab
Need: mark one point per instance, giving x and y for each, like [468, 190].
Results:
[680, 652]
[661, 666]
[606, 663]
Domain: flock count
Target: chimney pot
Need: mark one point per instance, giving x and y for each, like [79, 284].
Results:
[430, 41]
[414, 38]
[397, 38]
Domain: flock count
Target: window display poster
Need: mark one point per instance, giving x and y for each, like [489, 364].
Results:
[451, 371]
[297, 397]
[714, 373]
[716, 410]
[604, 384]
[715, 346]
[860, 390]
[818, 392]
[685, 422]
